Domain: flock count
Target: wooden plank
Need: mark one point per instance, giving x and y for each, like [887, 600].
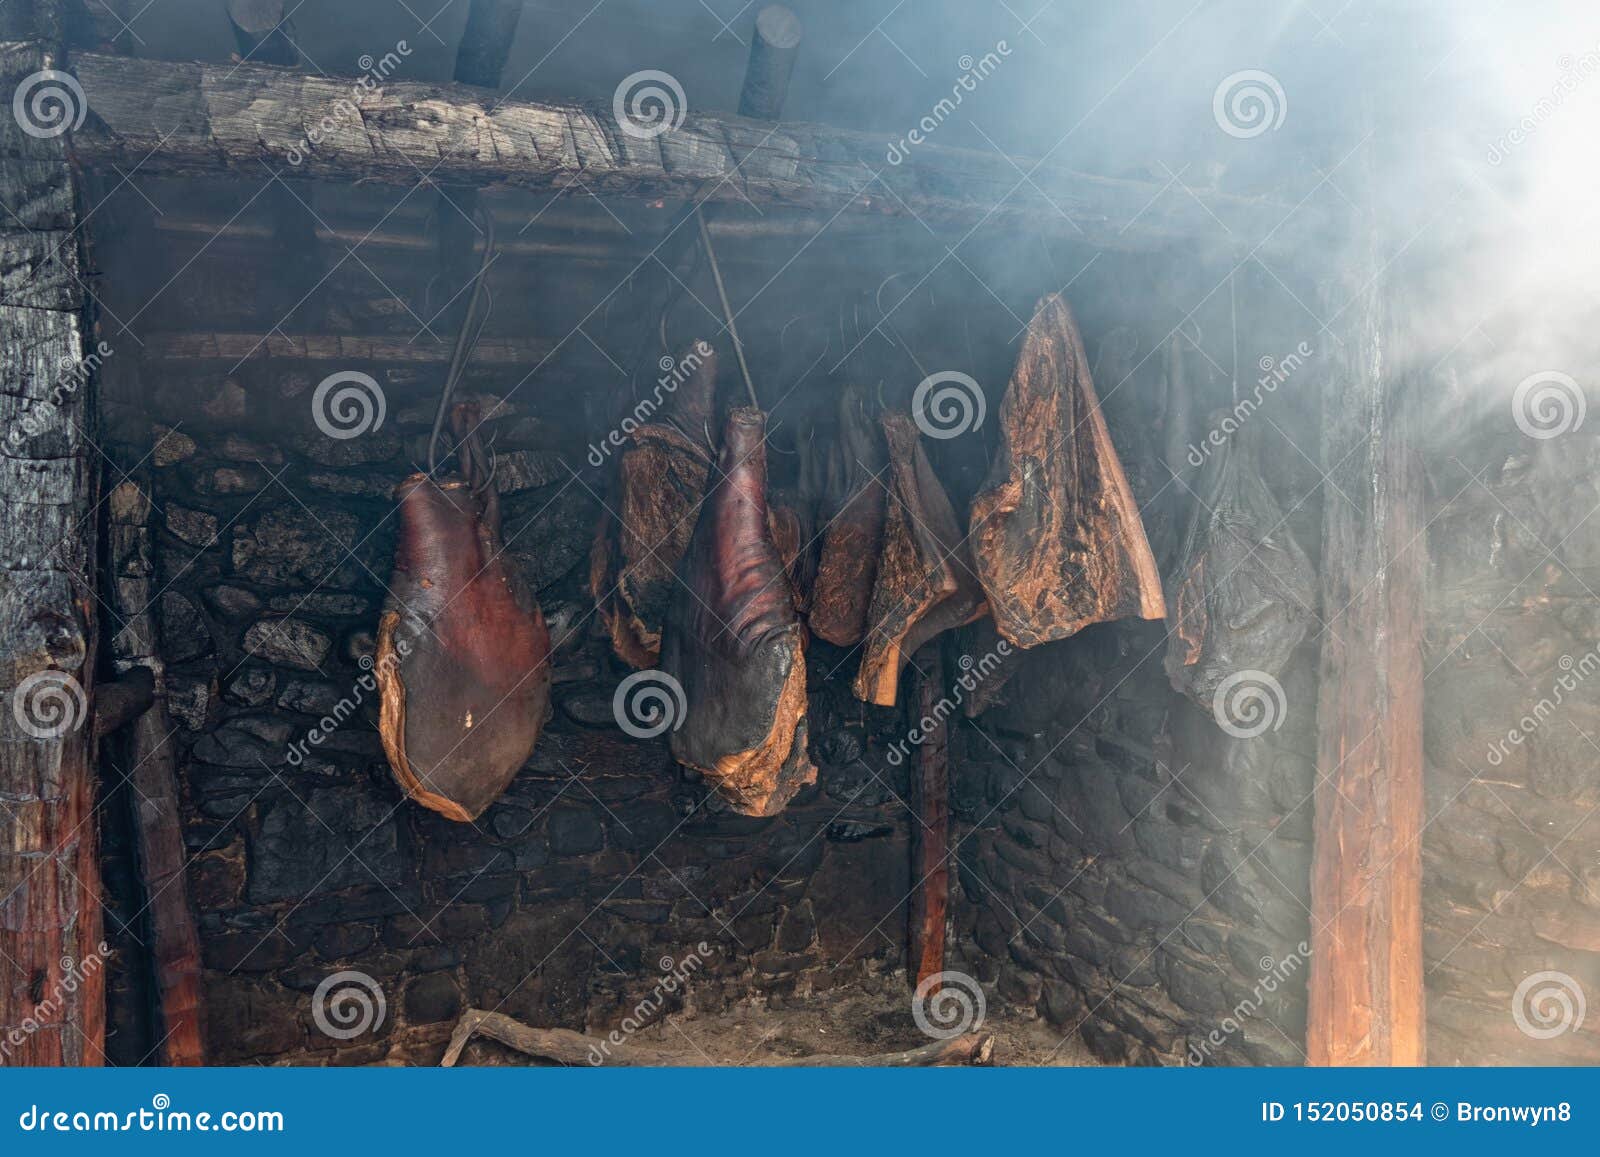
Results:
[214, 119]
[231, 347]
[1366, 983]
[52, 960]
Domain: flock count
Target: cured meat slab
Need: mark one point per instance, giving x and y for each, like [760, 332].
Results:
[1056, 534]
[662, 478]
[1244, 589]
[925, 583]
[853, 539]
[463, 657]
[734, 642]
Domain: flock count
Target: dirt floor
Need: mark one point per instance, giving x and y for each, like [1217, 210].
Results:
[872, 1016]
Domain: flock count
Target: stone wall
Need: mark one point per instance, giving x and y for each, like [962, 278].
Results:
[563, 903]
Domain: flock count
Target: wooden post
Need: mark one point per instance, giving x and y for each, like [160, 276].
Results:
[1366, 992]
[773, 50]
[930, 822]
[52, 964]
[263, 32]
[486, 42]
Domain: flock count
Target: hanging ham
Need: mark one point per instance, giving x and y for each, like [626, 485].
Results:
[1056, 532]
[854, 536]
[734, 643]
[925, 583]
[1244, 592]
[463, 654]
[662, 479]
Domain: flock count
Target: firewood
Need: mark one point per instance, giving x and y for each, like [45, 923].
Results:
[1056, 533]
[734, 643]
[577, 1049]
[925, 582]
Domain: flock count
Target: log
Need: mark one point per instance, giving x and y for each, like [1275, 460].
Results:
[122, 700]
[930, 829]
[579, 1050]
[1366, 1002]
[486, 42]
[52, 957]
[196, 119]
[150, 757]
[231, 347]
[773, 51]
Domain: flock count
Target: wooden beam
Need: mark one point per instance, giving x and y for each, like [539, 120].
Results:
[486, 42]
[930, 823]
[393, 348]
[195, 119]
[52, 962]
[1366, 989]
[773, 51]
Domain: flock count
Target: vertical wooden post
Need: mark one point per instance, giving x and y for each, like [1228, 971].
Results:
[930, 822]
[263, 32]
[52, 966]
[773, 50]
[1366, 992]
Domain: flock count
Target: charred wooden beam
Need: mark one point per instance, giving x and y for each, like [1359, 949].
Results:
[1366, 990]
[122, 700]
[52, 957]
[930, 826]
[773, 51]
[392, 348]
[195, 119]
[263, 31]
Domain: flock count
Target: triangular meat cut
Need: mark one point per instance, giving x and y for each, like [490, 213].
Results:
[734, 643]
[925, 583]
[463, 656]
[1244, 589]
[661, 481]
[853, 539]
[1056, 533]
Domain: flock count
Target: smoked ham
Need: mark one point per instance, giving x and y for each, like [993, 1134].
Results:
[1244, 588]
[662, 478]
[1056, 533]
[925, 583]
[733, 641]
[853, 539]
[463, 653]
